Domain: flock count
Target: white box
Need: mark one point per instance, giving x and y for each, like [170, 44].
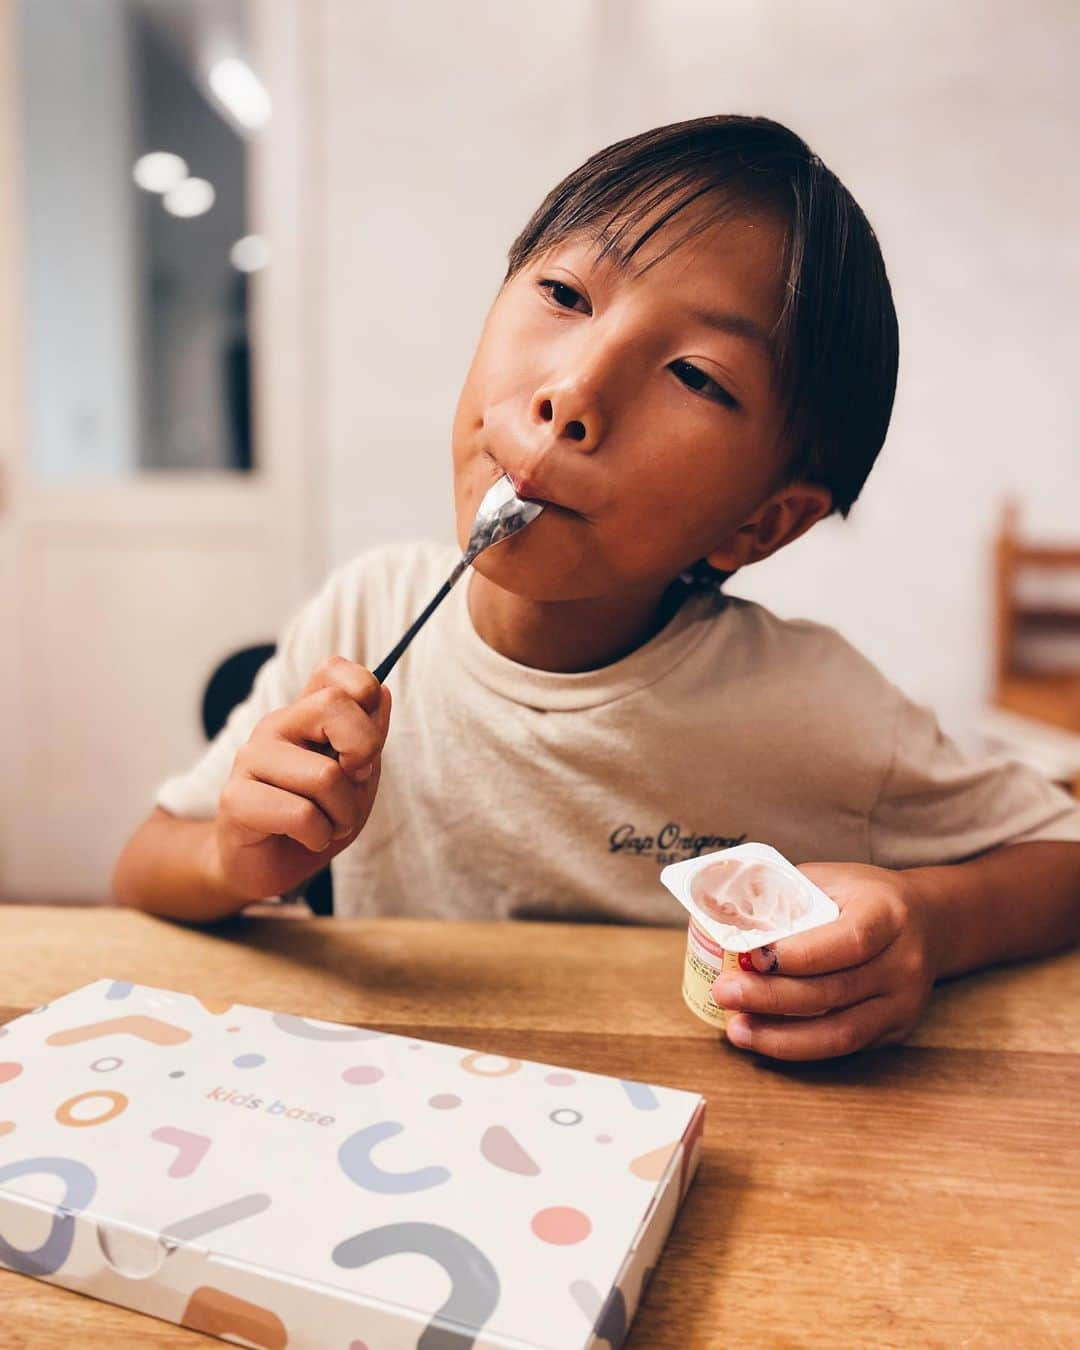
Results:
[285, 1182]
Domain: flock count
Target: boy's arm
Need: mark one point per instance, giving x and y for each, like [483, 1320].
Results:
[865, 979]
[284, 812]
[169, 866]
[1018, 900]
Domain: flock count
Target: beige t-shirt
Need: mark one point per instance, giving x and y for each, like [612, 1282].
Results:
[508, 791]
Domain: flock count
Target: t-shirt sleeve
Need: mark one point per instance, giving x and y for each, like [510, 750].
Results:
[320, 629]
[938, 805]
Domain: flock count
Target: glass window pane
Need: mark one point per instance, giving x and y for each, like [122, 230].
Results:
[138, 252]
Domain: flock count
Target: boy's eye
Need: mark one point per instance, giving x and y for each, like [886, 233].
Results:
[563, 295]
[702, 384]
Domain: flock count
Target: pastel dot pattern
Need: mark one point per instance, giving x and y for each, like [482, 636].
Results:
[363, 1073]
[566, 1115]
[490, 1066]
[468, 1159]
[82, 1110]
[249, 1061]
[561, 1225]
[501, 1149]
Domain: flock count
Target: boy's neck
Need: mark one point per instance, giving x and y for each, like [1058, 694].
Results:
[568, 636]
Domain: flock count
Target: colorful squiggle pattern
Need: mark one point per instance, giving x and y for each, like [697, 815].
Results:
[80, 1183]
[359, 1166]
[151, 1029]
[474, 1282]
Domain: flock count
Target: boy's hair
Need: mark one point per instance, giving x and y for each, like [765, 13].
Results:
[835, 341]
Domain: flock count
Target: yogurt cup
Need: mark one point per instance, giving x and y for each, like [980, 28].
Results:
[738, 899]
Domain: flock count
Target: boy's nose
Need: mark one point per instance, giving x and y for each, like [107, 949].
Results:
[572, 414]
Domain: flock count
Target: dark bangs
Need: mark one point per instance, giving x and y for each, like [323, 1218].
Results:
[835, 341]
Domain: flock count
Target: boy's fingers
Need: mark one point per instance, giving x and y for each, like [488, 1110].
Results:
[864, 929]
[380, 714]
[348, 676]
[810, 996]
[837, 1033]
[330, 716]
[305, 774]
[262, 810]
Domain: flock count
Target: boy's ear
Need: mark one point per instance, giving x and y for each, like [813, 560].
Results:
[789, 512]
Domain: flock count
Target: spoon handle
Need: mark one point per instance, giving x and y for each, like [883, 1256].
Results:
[387, 664]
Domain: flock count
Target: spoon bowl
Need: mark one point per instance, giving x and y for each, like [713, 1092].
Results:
[501, 513]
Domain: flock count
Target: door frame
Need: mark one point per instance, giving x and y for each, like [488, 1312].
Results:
[279, 503]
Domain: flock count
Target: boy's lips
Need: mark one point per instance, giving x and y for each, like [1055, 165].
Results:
[531, 487]
[529, 491]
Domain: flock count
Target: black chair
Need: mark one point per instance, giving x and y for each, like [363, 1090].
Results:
[229, 685]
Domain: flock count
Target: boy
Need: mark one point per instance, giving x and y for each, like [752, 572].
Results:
[692, 360]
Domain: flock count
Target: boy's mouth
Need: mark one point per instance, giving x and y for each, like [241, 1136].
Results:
[528, 491]
[529, 487]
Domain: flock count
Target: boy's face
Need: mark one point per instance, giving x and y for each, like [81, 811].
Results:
[653, 433]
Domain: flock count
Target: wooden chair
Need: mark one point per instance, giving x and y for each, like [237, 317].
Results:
[1037, 631]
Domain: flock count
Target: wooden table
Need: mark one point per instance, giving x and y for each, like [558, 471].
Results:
[925, 1196]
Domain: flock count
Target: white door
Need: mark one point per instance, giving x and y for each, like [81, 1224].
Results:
[122, 585]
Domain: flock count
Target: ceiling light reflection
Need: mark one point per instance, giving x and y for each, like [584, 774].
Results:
[159, 171]
[240, 91]
[250, 253]
[192, 197]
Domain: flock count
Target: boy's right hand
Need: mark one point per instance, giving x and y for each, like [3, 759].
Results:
[288, 806]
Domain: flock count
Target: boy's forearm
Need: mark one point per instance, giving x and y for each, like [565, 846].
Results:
[168, 868]
[1019, 900]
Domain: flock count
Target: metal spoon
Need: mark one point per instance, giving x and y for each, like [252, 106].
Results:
[501, 514]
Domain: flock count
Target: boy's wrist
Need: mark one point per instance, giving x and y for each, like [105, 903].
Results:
[969, 920]
[218, 890]
[928, 901]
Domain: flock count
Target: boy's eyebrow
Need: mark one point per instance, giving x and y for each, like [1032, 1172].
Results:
[738, 325]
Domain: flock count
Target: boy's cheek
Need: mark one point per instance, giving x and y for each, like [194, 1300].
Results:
[469, 488]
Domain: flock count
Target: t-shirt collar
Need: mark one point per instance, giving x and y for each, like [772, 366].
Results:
[554, 691]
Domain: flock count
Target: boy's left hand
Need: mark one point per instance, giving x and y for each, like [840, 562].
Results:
[862, 980]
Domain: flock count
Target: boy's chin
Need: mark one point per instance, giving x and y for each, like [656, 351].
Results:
[528, 573]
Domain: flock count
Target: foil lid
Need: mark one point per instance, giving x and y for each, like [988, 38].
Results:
[747, 896]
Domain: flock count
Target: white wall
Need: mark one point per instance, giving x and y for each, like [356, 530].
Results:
[440, 127]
